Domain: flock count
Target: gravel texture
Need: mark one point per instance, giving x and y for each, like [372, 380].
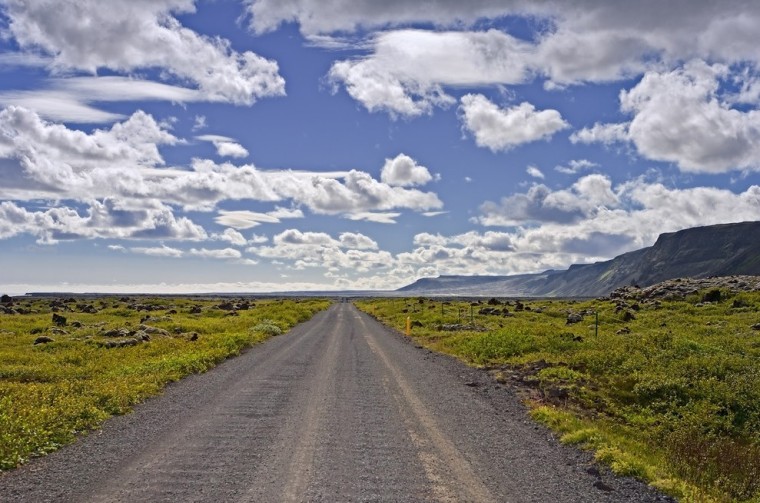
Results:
[339, 409]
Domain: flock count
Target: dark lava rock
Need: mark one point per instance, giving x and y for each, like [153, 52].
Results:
[6, 299]
[574, 318]
[43, 339]
[59, 320]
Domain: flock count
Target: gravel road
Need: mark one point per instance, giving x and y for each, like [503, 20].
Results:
[339, 409]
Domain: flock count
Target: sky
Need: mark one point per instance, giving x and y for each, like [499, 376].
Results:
[181, 146]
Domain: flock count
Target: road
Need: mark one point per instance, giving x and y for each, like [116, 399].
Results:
[339, 409]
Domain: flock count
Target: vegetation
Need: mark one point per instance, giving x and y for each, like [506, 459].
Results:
[109, 354]
[668, 391]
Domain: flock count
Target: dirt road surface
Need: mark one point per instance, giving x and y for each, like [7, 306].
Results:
[339, 409]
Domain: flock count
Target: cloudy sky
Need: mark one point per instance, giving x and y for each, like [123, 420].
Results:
[258, 145]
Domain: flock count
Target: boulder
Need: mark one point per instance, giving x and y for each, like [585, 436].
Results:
[43, 339]
[59, 320]
[574, 318]
[6, 299]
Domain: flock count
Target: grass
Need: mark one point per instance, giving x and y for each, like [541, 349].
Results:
[51, 392]
[668, 392]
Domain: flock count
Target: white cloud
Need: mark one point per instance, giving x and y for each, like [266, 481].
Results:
[104, 220]
[70, 99]
[284, 213]
[159, 251]
[140, 35]
[602, 133]
[588, 195]
[356, 241]
[594, 219]
[406, 72]
[300, 250]
[199, 123]
[42, 160]
[575, 166]
[679, 117]
[225, 146]
[231, 236]
[505, 128]
[244, 219]
[223, 253]
[404, 171]
[534, 172]
[377, 217]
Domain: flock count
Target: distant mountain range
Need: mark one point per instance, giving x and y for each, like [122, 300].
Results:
[716, 250]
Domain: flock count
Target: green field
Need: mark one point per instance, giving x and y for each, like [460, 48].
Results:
[112, 353]
[667, 391]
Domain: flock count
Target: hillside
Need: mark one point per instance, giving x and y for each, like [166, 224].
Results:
[716, 250]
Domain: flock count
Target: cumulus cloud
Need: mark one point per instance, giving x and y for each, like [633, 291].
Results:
[105, 220]
[123, 164]
[302, 250]
[403, 171]
[218, 253]
[575, 166]
[504, 128]
[244, 219]
[225, 146]
[680, 117]
[157, 251]
[140, 35]
[596, 218]
[231, 236]
[406, 72]
[534, 172]
[376, 217]
[588, 195]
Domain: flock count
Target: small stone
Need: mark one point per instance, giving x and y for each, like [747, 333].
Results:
[43, 339]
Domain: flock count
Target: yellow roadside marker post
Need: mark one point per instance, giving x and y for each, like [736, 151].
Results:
[408, 325]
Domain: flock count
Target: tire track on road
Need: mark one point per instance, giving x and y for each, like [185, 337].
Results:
[450, 474]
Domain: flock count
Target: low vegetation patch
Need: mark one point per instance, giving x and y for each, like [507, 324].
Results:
[68, 364]
[664, 390]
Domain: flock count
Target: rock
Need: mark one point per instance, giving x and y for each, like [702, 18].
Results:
[226, 306]
[756, 326]
[154, 330]
[574, 318]
[6, 299]
[602, 486]
[43, 339]
[493, 302]
[76, 324]
[624, 331]
[194, 336]
[628, 316]
[195, 310]
[116, 332]
[142, 335]
[59, 320]
[58, 331]
[417, 324]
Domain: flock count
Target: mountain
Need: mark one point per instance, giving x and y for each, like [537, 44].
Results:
[715, 250]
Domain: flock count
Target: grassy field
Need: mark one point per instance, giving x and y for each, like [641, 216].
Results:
[111, 353]
[667, 391]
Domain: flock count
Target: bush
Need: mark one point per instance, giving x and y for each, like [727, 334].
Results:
[267, 327]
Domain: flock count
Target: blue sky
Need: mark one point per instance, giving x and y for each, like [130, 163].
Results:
[260, 145]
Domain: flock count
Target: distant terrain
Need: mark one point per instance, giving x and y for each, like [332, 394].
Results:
[716, 250]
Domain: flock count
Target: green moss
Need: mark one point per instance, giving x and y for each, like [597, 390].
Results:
[50, 392]
[672, 396]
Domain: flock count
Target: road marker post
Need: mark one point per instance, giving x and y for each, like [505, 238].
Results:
[408, 325]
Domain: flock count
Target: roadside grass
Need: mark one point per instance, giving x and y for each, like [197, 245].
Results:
[667, 391]
[51, 392]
